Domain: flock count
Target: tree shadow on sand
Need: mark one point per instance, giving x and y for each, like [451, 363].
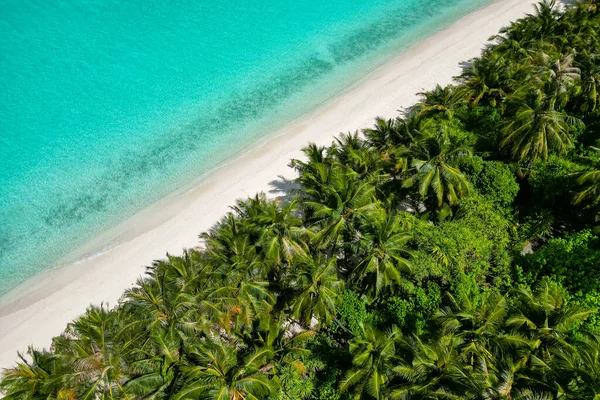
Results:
[284, 190]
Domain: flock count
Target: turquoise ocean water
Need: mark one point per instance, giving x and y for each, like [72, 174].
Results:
[108, 105]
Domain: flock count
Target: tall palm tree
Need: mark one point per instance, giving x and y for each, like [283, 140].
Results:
[433, 370]
[539, 26]
[335, 201]
[227, 371]
[391, 138]
[382, 255]
[386, 133]
[483, 80]
[354, 153]
[590, 195]
[156, 364]
[434, 160]
[316, 290]
[535, 128]
[559, 76]
[374, 357]
[251, 301]
[278, 228]
[232, 245]
[38, 375]
[441, 100]
[168, 295]
[586, 366]
[547, 319]
[98, 358]
[479, 325]
[397, 132]
[590, 82]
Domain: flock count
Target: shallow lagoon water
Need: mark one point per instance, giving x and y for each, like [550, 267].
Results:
[106, 106]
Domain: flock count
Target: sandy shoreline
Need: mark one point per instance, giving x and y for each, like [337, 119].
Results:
[41, 307]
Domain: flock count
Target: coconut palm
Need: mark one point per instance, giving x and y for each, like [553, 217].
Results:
[232, 246]
[167, 296]
[335, 201]
[483, 81]
[559, 76]
[586, 366]
[316, 290]
[543, 22]
[250, 313]
[434, 160]
[390, 138]
[155, 365]
[227, 371]
[546, 318]
[590, 82]
[277, 228]
[441, 100]
[433, 370]
[382, 255]
[37, 375]
[590, 195]
[354, 153]
[93, 348]
[387, 133]
[535, 128]
[479, 325]
[275, 332]
[315, 155]
[539, 26]
[374, 357]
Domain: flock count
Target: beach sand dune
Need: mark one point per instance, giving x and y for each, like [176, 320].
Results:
[40, 308]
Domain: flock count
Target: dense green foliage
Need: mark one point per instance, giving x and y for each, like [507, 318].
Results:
[450, 253]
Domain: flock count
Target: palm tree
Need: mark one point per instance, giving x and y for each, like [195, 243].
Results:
[156, 364]
[167, 296]
[483, 81]
[559, 77]
[91, 346]
[385, 133]
[441, 100]
[278, 228]
[586, 366]
[315, 155]
[590, 195]
[390, 138]
[291, 357]
[383, 247]
[391, 133]
[316, 290]
[39, 375]
[434, 159]
[479, 325]
[227, 371]
[354, 153]
[540, 26]
[232, 246]
[275, 332]
[590, 82]
[374, 357]
[433, 370]
[535, 128]
[546, 319]
[335, 201]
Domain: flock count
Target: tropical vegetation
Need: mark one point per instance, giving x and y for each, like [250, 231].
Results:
[449, 253]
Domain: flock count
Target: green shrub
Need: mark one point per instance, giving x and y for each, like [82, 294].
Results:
[573, 261]
[494, 180]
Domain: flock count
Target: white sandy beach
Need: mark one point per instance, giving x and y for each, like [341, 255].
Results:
[40, 308]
